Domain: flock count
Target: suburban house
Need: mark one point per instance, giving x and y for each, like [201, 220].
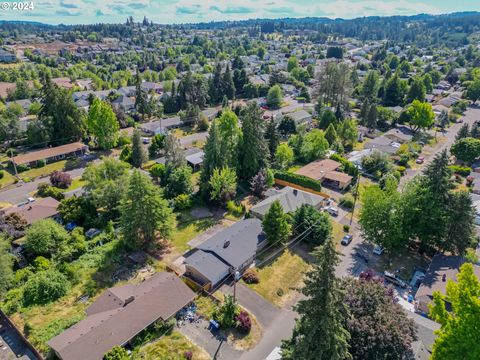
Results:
[121, 313]
[33, 211]
[326, 172]
[160, 126]
[229, 250]
[51, 154]
[124, 102]
[441, 269]
[300, 117]
[7, 57]
[400, 134]
[290, 199]
[383, 144]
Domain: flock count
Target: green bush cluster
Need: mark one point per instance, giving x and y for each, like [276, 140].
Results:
[235, 209]
[347, 166]
[460, 170]
[299, 180]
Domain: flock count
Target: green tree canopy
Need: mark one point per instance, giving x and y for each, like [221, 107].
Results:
[458, 337]
[275, 224]
[145, 214]
[420, 115]
[223, 185]
[314, 145]
[102, 124]
[274, 97]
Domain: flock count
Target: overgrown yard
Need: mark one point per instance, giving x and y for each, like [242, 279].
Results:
[172, 347]
[91, 274]
[279, 279]
[44, 171]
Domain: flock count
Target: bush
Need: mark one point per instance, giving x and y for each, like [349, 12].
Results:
[158, 171]
[235, 209]
[346, 228]
[41, 163]
[41, 263]
[244, 323]
[45, 190]
[22, 168]
[460, 170]
[182, 202]
[2, 174]
[45, 287]
[251, 276]
[116, 353]
[11, 152]
[60, 179]
[188, 355]
[227, 313]
[347, 166]
[298, 180]
[401, 170]
[347, 201]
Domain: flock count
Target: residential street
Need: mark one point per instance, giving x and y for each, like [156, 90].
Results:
[15, 195]
[471, 115]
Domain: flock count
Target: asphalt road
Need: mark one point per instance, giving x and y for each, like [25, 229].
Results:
[20, 193]
[471, 115]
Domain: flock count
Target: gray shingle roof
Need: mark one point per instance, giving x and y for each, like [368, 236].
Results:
[290, 199]
[209, 265]
[242, 238]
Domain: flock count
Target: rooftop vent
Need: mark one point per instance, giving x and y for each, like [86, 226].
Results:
[226, 243]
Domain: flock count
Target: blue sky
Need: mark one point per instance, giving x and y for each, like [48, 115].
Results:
[181, 11]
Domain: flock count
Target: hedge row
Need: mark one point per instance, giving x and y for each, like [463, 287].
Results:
[347, 166]
[299, 180]
[463, 171]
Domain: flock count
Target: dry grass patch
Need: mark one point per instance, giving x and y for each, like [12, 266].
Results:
[171, 347]
[280, 279]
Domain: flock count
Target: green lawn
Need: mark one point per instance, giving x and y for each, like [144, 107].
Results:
[7, 179]
[187, 230]
[279, 278]
[44, 171]
[171, 347]
[337, 231]
[76, 183]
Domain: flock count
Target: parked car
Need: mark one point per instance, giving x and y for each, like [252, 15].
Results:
[145, 140]
[378, 250]
[420, 160]
[332, 210]
[347, 239]
[394, 279]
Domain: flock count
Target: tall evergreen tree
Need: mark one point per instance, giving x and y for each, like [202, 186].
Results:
[320, 332]
[253, 149]
[417, 90]
[145, 213]
[228, 87]
[393, 92]
[139, 156]
[6, 266]
[60, 116]
[141, 97]
[174, 155]
[271, 135]
[371, 121]
[275, 224]
[213, 157]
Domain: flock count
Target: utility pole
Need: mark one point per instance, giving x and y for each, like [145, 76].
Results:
[236, 277]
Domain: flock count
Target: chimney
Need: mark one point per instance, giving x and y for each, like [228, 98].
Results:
[444, 277]
[295, 191]
[129, 300]
[226, 243]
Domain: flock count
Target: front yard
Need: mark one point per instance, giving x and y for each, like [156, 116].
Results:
[172, 347]
[280, 278]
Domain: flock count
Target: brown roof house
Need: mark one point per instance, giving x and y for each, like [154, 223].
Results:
[121, 313]
[326, 172]
[34, 211]
[51, 154]
[441, 269]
